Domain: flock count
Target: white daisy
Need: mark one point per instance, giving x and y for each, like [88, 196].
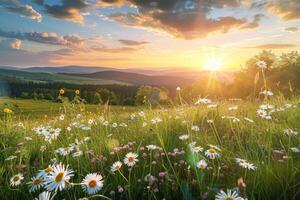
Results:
[92, 183]
[59, 178]
[45, 196]
[295, 149]
[202, 164]
[116, 166]
[245, 164]
[230, 195]
[16, 179]
[261, 64]
[45, 172]
[35, 183]
[184, 137]
[65, 150]
[212, 152]
[130, 159]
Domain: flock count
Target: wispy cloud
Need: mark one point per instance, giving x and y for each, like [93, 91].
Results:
[133, 42]
[23, 10]
[51, 38]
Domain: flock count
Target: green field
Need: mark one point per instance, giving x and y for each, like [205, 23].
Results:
[169, 142]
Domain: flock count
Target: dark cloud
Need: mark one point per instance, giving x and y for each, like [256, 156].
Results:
[275, 46]
[133, 42]
[23, 10]
[285, 9]
[68, 9]
[182, 18]
[45, 38]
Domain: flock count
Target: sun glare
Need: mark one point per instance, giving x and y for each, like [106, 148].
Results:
[213, 63]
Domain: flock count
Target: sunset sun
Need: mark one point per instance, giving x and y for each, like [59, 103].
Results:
[213, 63]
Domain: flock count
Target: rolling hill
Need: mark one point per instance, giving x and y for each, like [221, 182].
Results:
[52, 77]
[138, 79]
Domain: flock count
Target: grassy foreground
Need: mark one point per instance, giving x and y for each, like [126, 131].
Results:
[184, 152]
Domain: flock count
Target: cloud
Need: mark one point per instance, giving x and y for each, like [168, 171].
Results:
[133, 42]
[113, 50]
[186, 19]
[285, 9]
[255, 23]
[275, 46]
[20, 57]
[68, 10]
[10, 44]
[292, 29]
[23, 10]
[52, 38]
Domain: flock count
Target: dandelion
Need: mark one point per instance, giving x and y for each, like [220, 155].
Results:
[230, 195]
[130, 159]
[16, 179]
[116, 166]
[58, 178]
[178, 88]
[202, 164]
[35, 183]
[7, 111]
[92, 183]
[77, 92]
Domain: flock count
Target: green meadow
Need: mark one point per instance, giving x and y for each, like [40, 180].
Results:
[181, 152]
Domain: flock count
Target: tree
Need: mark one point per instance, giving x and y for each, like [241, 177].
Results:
[97, 98]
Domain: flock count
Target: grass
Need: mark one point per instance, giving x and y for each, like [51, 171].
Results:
[262, 143]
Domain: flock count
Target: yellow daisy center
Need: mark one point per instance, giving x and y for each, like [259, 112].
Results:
[131, 159]
[92, 183]
[59, 177]
[212, 150]
[48, 169]
[229, 198]
[36, 181]
[16, 178]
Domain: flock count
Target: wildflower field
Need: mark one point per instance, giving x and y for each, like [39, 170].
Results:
[228, 150]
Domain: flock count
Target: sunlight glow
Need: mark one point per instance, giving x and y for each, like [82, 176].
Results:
[213, 63]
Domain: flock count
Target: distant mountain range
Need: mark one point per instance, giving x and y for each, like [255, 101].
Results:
[169, 77]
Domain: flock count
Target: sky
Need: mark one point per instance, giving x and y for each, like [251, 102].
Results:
[145, 34]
